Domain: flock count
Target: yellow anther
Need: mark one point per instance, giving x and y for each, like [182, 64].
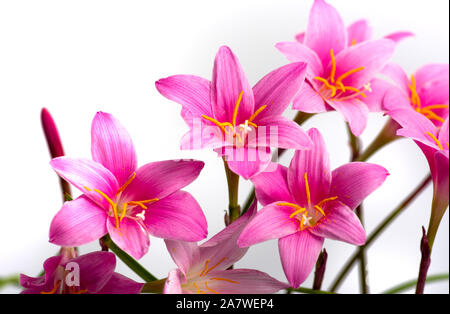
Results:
[218, 263]
[308, 194]
[252, 124]
[256, 113]
[327, 200]
[333, 66]
[205, 268]
[225, 279]
[236, 108]
[415, 99]
[319, 209]
[113, 205]
[126, 183]
[430, 114]
[436, 107]
[354, 42]
[220, 125]
[348, 73]
[298, 211]
[435, 140]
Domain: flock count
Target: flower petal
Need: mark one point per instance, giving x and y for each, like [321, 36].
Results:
[246, 161]
[315, 165]
[176, 217]
[297, 52]
[399, 36]
[396, 73]
[277, 89]
[112, 147]
[340, 223]
[354, 181]
[271, 222]
[358, 32]
[375, 97]
[162, 178]
[130, 236]
[192, 92]
[355, 112]
[372, 55]
[87, 175]
[431, 72]
[184, 254]
[299, 253]
[242, 281]
[78, 222]
[119, 284]
[272, 186]
[395, 98]
[228, 82]
[309, 100]
[95, 268]
[173, 283]
[325, 31]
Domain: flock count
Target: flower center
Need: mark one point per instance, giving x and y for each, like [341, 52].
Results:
[334, 89]
[120, 210]
[196, 284]
[310, 215]
[237, 134]
[427, 111]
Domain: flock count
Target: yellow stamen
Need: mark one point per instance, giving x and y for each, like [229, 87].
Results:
[435, 140]
[53, 291]
[343, 76]
[319, 209]
[430, 114]
[414, 96]
[333, 66]
[124, 211]
[354, 42]
[308, 194]
[257, 112]
[327, 200]
[214, 266]
[252, 124]
[126, 183]
[341, 86]
[206, 267]
[198, 289]
[213, 291]
[236, 108]
[224, 279]
[113, 205]
[220, 125]
[325, 82]
[436, 107]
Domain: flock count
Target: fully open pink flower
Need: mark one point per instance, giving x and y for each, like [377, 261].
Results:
[427, 91]
[305, 203]
[126, 202]
[92, 273]
[434, 142]
[204, 269]
[339, 77]
[238, 121]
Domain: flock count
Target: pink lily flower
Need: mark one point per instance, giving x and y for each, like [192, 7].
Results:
[93, 273]
[338, 77]
[305, 203]
[434, 142]
[238, 121]
[427, 91]
[204, 269]
[126, 202]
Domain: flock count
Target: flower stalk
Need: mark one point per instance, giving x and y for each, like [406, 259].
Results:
[424, 262]
[320, 270]
[234, 210]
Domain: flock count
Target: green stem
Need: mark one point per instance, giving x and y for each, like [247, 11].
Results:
[362, 256]
[308, 291]
[156, 286]
[234, 210]
[129, 261]
[412, 283]
[386, 222]
[12, 280]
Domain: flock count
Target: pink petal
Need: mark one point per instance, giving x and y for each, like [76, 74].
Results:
[228, 82]
[355, 112]
[372, 55]
[353, 182]
[96, 269]
[203, 135]
[112, 147]
[130, 236]
[398, 76]
[78, 222]
[243, 281]
[119, 284]
[87, 175]
[222, 249]
[184, 254]
[162, 178]
[173, 283]
[415, 126]
[44, 281]
[272, 186]
[192, 92]
[176, 217]
[284, 133]
[325, 31]
[315, 163]
[297, 52]
[271, 222]
[277, 89]
[375, 97]
[299, 253]
[246, 161]
[431, 72]
[300, 37]
[440, 183]
[340, 223]
[443, 135]
[309, 100]
[359, 32]
[395, 98]
[399, 36]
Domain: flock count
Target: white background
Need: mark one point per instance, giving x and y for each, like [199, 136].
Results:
[78, 57]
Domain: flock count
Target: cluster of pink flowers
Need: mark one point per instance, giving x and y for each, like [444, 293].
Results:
[333, 67]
